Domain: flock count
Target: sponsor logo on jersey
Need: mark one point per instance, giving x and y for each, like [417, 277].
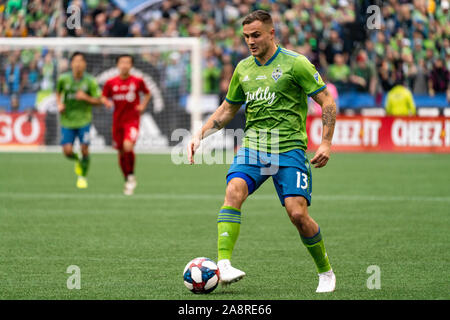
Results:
[261, 95]
[246, 78]
[130, 96]
[261, 77]
[277, 73]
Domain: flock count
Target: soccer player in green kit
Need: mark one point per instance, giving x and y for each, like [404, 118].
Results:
[76, 92]
[274, 83]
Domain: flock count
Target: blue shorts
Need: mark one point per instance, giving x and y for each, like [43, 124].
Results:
[290, 172]
[68, 135]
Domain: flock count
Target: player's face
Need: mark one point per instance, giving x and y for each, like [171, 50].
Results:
[124, 65]
[259, 37]
[78, 64]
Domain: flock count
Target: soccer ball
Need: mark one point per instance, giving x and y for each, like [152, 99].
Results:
[201, 275]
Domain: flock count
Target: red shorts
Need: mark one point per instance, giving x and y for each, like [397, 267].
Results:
[127, 131]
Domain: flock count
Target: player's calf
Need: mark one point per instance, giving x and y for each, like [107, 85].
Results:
[297, 210]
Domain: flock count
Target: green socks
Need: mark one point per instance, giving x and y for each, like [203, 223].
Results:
[316, 248]
[84, 162]
[73, 156]
[82, 165]
[228, 226]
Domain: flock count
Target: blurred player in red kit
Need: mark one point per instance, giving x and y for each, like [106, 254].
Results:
[123, 93]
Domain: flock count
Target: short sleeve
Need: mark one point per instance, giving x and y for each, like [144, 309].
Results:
[107, 90]
[143, 87]
[306, 76]
[60, 84]
[235, 94]
[94, 89]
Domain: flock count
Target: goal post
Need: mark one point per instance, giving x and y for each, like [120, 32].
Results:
[171, 68]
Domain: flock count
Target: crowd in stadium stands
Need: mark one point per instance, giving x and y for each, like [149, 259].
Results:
[411, 45]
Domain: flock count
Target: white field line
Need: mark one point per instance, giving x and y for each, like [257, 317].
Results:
[199, 196]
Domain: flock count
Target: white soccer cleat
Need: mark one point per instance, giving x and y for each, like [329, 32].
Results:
[130, 185]
[228, 274]
[327, 282]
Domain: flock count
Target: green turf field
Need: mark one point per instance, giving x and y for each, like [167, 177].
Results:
[388, 210]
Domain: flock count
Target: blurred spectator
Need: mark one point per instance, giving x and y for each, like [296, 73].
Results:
[439, 79]
[363, 75]
[339, 73]
[118, 27]
[31, 77]
[333, 46]
[400, 101]
[225, 77]
[420, 83]
[13, 78]
[211, 77]
[48, 71]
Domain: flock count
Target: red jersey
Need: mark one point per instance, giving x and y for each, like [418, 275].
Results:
[125, 95]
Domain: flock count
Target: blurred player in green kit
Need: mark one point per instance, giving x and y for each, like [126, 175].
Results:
[76, 93]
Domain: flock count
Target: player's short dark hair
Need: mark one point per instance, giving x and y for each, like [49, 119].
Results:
[77, 53]
[125, 55]
[258, 15]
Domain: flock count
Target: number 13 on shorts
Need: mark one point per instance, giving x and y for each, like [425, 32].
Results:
[302, 180]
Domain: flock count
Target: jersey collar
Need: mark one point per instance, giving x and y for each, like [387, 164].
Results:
[271, 59]
[79, 80]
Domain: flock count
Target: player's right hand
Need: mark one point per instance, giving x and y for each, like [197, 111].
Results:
[192, 147]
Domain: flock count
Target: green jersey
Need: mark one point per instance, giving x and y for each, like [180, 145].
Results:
[276, 96]
[78, 113]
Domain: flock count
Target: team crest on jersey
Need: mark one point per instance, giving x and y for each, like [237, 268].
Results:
[317, 77]
[277, 73]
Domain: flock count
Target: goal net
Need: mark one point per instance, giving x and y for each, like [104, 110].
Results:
[30, 68]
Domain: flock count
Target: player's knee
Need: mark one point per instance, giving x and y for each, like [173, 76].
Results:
[67, 150]
[85, 150]
[128, 146]
[236, 192]
[299, 218]
[297, 210]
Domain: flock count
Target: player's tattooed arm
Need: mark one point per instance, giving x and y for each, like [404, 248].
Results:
[217, 124]
[328, 105]
[328, 121]
[219, 119]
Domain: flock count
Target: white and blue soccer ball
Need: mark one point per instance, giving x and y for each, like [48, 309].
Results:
[201, 275]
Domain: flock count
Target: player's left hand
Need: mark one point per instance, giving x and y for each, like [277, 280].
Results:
[322, 155]
[81, 95]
